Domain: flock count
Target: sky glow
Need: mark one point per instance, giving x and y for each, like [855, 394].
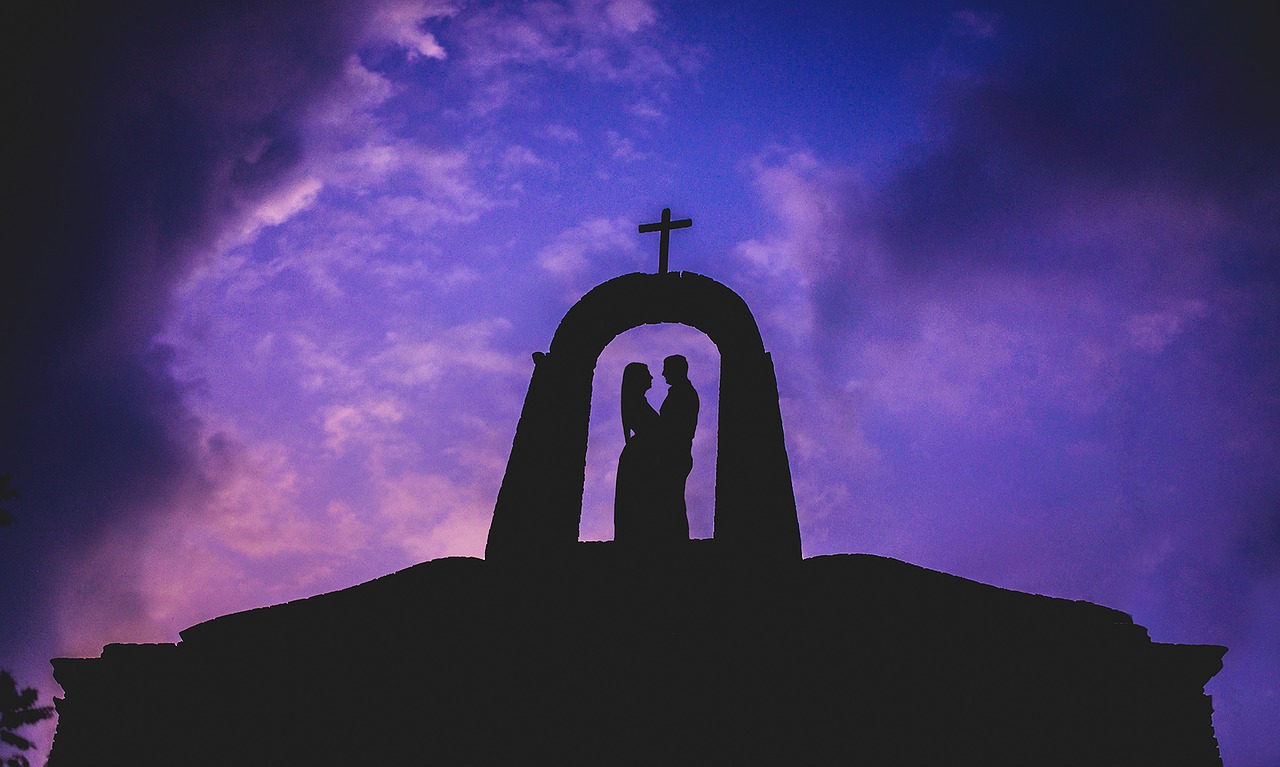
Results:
[285, 265]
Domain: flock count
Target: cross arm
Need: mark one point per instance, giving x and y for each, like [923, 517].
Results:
[683, 223]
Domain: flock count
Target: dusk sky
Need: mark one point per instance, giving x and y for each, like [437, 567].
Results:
[276, 269]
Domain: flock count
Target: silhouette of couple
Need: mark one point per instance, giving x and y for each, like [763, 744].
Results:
[649, 506]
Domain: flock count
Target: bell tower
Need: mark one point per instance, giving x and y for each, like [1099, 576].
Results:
[539, 507]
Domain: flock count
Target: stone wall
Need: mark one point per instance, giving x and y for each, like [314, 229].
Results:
[609, 658]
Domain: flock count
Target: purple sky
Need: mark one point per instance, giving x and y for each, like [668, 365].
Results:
[281, 267]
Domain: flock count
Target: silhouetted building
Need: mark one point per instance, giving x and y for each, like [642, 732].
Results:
[723, 651]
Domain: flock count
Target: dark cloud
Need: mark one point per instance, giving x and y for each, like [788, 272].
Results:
[1173, 98]
[136, 133]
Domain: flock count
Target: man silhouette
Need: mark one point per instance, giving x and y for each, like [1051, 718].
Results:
[679, 419]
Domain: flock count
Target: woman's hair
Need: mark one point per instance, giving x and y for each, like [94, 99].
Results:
[634, 378]
[635, 381]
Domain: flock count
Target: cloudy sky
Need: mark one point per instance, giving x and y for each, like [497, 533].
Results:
[276, 270]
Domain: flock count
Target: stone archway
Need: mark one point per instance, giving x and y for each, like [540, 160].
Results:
[539, 507]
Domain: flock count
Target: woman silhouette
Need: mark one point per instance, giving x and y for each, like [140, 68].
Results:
[637, 487]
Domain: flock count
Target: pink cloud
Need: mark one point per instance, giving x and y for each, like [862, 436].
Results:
[401, 23]
[569, 256]
[427, 516]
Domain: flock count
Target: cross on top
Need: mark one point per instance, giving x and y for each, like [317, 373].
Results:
[665, 226]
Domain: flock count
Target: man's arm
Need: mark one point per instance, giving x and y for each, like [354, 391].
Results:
[680, 412]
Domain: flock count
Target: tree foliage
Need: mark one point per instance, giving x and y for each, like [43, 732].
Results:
[18, 709]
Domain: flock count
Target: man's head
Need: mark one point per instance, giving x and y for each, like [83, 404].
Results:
[675, 369]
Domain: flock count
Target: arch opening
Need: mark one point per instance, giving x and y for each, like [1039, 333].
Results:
[650, 344]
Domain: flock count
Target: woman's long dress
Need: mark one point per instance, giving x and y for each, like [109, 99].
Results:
[638, 489]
